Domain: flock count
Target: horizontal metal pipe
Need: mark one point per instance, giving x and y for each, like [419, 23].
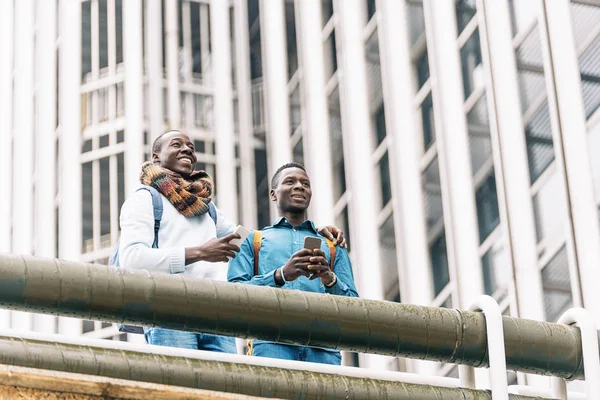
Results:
[97, 292]
[209, 371]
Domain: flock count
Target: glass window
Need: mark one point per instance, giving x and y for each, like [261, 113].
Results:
[495, 267]
[380, 130]
[480, 144]
[488, 215]
[330, 56]
[374, 84]
[439, 264]
[371, 8]
[550, 209]
[433, 195]
[538, 137]
[164, 32]
[295, 110]
[427, 122]
[530, 69]
[87, 196]
[387, 251]
[102, 104]
[522, 13]
[594, 149]
[262, 189]
[86, 38]
[292, 46]
[180, 22]
[532, 91]
[87, 326]
[196, 45]
[416, 21]
[120, 180]
[585, 18]
[472, 69]
[384, 179]
[465, 11]
[104, 141]
[557, 286]
[203, 109]
[326, 10]
[299, 152]
[422, 67]
[233, 50]
[342, 221]
[86, 146]
[337, 145]
[200, 31]
[103, 34]
[121, 100]
[105, 198]
[119, 29]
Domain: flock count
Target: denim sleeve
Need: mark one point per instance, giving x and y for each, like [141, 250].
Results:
[241, 268]
[342, 268]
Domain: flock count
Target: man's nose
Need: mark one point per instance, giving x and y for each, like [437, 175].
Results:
[298, 185]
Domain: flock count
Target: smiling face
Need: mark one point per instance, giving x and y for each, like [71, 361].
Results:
[293, 192]
[176, 153]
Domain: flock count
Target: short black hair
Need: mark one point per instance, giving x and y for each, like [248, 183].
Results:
[275, 179]
[157, 144]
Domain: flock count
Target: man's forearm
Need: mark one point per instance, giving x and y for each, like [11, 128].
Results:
[193, 254]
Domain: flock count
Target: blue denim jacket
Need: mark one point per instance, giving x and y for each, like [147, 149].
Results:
[279, 242]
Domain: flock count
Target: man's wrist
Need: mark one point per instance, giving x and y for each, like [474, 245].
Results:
[278, 277]
[332, 283]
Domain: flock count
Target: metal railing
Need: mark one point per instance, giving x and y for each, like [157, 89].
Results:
[104, 293]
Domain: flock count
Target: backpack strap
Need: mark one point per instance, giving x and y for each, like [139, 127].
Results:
[157, 207]
[212, 211]
[256, 243]
[331, 246]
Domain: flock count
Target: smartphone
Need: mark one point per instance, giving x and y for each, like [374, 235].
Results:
[311, 242]
[243, 232]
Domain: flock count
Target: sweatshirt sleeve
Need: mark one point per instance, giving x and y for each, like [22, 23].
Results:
[224, 226]
[137, 236]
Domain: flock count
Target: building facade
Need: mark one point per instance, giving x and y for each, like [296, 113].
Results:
[454, 142]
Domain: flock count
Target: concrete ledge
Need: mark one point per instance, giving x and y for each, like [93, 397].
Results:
[30, 383]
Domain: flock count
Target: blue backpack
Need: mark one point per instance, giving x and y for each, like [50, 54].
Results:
[157, 207]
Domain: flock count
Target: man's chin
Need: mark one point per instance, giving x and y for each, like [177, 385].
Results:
[185, 172]
[297, 208]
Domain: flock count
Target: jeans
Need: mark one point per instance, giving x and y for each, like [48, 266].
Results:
[189, 340]
[298, 353]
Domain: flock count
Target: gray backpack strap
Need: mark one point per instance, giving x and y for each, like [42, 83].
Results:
[212, 211]
[157, 207]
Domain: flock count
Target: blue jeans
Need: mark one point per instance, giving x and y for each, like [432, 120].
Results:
[298, 353]
[189, 340]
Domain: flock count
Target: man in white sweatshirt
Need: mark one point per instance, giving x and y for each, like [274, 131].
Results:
[189, 241]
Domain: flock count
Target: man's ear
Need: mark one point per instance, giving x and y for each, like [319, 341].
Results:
[155, 158]
[272, 195]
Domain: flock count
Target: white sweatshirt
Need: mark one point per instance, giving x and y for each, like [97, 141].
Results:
[175, 234]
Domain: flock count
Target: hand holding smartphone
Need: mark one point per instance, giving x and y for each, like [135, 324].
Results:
[243, 232]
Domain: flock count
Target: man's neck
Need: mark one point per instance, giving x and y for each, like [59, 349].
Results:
[295, 219]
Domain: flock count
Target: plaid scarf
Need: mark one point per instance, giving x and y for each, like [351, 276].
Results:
[189, 196]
